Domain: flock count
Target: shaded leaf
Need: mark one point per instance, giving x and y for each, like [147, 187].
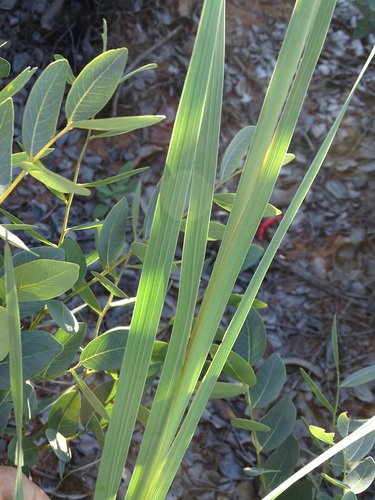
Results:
[70, 345]
[301, 490]
[257, 471]
[29, 451]
[250, 425]
[38, 350]
[65, 413]
[359, 377]
[252, 257]
[64, 318]
[251, 341]
[89, 298]
[335, 344]
[90, 396]
[318, 393]
[237, 368]
[95, 85]
[112, 235]
[236, 151]
[73, 253]
[105, 393]
[43, 107]
[223, 390]
[4, 337]
[284, 459]
[4, 68]
[281, 419]
[270, 380]
[139, 250]
[106, 351]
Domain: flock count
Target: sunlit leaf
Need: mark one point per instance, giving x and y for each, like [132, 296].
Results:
[112, 235]
[106, 351]
[65, 413]
[6, 140]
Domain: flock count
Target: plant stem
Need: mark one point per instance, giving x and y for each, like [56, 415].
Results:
[255, 441]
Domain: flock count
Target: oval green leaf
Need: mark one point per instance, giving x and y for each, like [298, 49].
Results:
[112, 236]
[236, 151]
[70, 345]
[251, 341]
[65, 413]
[59, 445]
[360, 478]
[284, 459]
[43, 279]
[64, 318]
[106, 351]
[281, 419]
[237, 368]
[270, 380]
[95, 85]
[38, 350]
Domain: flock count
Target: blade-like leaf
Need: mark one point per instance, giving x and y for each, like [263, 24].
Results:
[115, 178]
[111, 287]
[90, 396]
[318, 393]
[112, 235]
[118, 125]
[95, 85]
[6, 139]
[250, 425]
[14, 240]
[4, 337]
[43, 107]
[52, 180]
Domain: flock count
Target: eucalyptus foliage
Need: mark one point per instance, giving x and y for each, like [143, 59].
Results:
[37, 283]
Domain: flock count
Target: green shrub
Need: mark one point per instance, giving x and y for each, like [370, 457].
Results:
[38, 283]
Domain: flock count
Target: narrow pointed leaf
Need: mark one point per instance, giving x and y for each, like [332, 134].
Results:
[118, 125]
[73, 253]
[90, 396]
[13, 239]
[17, 84]
[250, 425]
[362, 376]
[4, 337]
[318, 393]
[115, 178]
[6, 140]
[52, 180]
[95, 85]
[111, 287]
[43, 107]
